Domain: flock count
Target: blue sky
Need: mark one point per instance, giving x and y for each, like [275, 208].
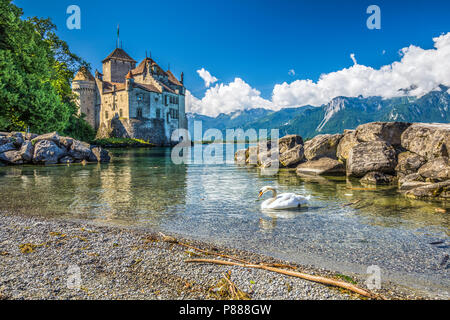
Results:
[258, 41]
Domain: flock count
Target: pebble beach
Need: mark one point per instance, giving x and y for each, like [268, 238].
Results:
[55, 259]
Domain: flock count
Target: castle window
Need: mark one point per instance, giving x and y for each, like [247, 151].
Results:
[139, 112]
[165, 100]
[106, 115]
[121, 113]
[168, 117]
[158, 113]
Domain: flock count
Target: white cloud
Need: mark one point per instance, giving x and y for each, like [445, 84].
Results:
[226, 98]
[352, 56]
[207, 77]
[291, 72]
[420, 68]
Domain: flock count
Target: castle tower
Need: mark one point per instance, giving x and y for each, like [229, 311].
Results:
[117, 65]
[85, 89]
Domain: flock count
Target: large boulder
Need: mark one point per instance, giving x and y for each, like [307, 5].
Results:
[7, 147]
[389, 132]
[375, 156]
[439, 191]
[11, 157]
[324, 145]
[98, 154]
[47, 152]
[292, 157]
[377, 178]
[52, 136]
[66, 142]
[436, 170]
[322, 166]
[409, 162]
[430, 140]
[346, 144]
[17, 138]
[27, 151]
[289, 142]
[79, 150]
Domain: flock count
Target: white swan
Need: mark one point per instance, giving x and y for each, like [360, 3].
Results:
[282, 201]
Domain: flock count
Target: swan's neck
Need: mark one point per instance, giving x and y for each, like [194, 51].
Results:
[274, 193]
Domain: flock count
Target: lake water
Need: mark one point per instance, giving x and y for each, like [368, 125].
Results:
[218, 203]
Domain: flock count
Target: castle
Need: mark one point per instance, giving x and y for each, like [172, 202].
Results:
[143, 102]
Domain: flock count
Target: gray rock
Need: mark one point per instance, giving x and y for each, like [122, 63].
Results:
[47, 152]
[346, 144]
[409, 162]
[292, 157]
[409, 185]
[98, 154]
[430, 140]
[324, 145]
[17, 138]
[377, 178]
[413, 177]
[11, 157]
[389, 132]
[27, 151]
[80, 150]
[66, 142]
[440, 190]
[289, 142]
[436, 170]
[53, 136]
[375, 156]
[7, 147]
[322, 166]
[4, 140]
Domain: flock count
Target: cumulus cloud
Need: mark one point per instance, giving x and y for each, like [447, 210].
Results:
[207, 77]
[226, 98]
[420, 69]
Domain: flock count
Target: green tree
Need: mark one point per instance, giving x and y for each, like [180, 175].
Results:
[36, 69]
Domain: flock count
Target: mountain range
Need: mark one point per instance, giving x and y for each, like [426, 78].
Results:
[339, 114]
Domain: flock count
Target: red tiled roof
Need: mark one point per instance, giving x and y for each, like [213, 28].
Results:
[147, 87]
[119, 54]
[109, 86]
[173, 79]
[83, 75]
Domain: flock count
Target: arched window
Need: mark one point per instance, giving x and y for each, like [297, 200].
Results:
[139, 112]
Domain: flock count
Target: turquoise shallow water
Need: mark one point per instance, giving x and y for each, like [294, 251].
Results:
[218, 203]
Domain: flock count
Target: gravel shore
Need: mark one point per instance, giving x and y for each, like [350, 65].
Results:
[42, 258]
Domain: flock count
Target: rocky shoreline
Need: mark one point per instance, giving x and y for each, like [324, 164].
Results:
[17, 148]
[38, 259]
[413, 155]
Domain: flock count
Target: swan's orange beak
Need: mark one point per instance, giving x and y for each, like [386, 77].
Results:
[260, 194]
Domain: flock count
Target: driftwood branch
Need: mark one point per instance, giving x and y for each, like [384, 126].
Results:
[305, 276]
